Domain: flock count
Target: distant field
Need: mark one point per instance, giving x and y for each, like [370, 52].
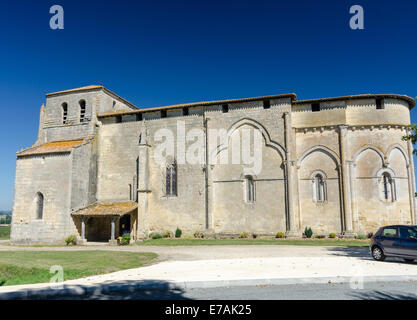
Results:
[215, 242]
[4, 232]
[23, 267]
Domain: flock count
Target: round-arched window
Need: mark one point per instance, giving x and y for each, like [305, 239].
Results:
[39, 206]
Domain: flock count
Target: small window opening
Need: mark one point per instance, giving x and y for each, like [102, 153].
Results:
[139, 117]
[388, 188]
[82, 110]
[185, 111]
[315, 107]
[171, 180]
[267, 104]
[64, 113]
[319, 188]
[39, 206]
[163, 113]
[118, 119]
[379, 104]
[250, 190]
[225, 108]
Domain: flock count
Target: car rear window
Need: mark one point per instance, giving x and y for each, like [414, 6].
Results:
[389, 232]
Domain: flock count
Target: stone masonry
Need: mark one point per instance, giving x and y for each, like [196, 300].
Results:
[334, 164]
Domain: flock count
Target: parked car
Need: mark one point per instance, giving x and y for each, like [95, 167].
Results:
[394, 241]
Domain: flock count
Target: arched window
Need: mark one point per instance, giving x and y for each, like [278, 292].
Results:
[388, 188]
[82, 110]
[64, 113]
[171, 179]
[250, 189]
[39, 206]
[319, 188]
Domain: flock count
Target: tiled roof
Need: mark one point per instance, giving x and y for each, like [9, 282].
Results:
[293, 97]
[202, 103]
[410, 100]
[92, 87]
[107, 209]
[76, 89]
[51, 147]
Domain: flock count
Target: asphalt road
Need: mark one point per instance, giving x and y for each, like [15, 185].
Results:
[340, 291]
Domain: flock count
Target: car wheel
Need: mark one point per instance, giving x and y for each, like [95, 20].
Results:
[377, 254]
[408, 260]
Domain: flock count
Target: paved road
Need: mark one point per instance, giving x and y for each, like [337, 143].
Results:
[341, 291]
[191, 253]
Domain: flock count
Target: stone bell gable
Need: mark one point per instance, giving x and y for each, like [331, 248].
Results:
[333, 164]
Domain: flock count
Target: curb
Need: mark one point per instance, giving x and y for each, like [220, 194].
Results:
[57, 291]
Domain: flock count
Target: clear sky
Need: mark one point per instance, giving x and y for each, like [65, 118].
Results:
[156, 53]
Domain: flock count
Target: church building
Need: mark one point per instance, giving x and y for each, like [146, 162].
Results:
[101, 167]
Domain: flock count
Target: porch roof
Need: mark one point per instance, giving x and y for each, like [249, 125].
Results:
[51, 147]
[107, 209]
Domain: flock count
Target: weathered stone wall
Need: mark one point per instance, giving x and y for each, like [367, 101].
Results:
[318, 153]
[50, 175]
[230, 212]
[350, 143]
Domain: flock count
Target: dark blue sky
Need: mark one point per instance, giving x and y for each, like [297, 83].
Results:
[157, 53]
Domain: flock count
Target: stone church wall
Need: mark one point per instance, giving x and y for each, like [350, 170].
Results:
[51, 176]
[352, 144]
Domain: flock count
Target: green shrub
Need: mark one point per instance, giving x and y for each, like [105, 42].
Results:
[125, 239]
[178, 233]
[167, 234]
[361, 236]
[308, 232]
[332, 235]
[198, 234]
[280, 235]
[71, 240]
[155, 235]
[244, 235]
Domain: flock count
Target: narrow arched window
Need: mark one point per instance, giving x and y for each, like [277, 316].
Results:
[64, 113]
[82, 110]
[171, 179]
[250, 189]
[39, 206]
[388, 188]
[319, 188]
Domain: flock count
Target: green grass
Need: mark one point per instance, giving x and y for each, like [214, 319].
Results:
[4, 232]
[23, 267]
[212, 242]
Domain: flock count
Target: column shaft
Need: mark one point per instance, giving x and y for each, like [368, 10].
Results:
[347, 205]
[82, 228]
[113, 229]
[411, 182]
[289, 168]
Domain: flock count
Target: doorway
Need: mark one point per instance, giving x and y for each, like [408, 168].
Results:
[124, 224]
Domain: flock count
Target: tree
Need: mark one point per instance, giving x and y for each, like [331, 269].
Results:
[413, 138]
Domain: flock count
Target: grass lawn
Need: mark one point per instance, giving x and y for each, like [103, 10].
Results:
[4, 232]
[212, 242]
[22, 267]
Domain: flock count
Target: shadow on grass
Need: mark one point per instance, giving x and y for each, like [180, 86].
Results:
[121, 290]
